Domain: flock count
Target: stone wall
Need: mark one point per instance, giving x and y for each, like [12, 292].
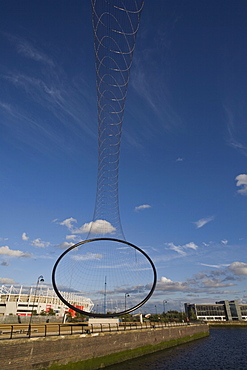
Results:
[92, 351]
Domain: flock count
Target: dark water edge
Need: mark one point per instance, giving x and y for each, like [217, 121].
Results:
[225, 348]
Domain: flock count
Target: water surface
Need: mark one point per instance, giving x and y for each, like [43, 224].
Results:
[225, 348]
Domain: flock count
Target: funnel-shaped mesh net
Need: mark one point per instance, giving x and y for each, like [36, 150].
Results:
[115, 25]
[117, 276]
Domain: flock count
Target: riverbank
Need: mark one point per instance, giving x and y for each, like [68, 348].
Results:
[227, 324]
[224, 348]
[93, 351]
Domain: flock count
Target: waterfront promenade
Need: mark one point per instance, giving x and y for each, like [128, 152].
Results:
[18, 331]
[95, 350]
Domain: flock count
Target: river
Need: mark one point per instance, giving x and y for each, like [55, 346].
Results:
[225, 348]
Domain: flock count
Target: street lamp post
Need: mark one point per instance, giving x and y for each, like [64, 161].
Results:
[40, 279]
[126, 295]
[164, 305]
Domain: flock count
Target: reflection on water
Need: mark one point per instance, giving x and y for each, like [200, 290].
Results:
[225, 348]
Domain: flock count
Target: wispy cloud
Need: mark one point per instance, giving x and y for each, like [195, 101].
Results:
[242, 183]
[3, 239]
[233, 122]
[152, 87]
[213, 266]
[6, 251]
[68, 222]
[6, 281]
[88, 256]
[215, 283]
[203, 221]
[182, 249]
[210, 283]
[63, 99]
[141, 207]
[26, 49]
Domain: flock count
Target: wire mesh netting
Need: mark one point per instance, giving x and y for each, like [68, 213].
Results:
[115, 275]
[115, 25]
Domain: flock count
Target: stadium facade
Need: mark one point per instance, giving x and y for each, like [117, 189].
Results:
[23, 300]
[220, 311]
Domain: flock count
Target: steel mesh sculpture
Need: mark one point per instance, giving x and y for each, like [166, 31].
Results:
[115, 25]
[106, 267]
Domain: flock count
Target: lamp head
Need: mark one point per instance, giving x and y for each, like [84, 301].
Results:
[41, 278]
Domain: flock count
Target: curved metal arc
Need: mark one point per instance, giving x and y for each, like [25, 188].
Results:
[104, 315]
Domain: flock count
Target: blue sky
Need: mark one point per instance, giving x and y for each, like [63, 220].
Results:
[183, 172]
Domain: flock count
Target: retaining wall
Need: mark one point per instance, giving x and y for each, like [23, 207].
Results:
[92, 351]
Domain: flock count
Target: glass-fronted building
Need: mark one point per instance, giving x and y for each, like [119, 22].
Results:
[220, 311]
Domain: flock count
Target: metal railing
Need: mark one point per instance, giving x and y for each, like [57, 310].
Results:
[17, 331]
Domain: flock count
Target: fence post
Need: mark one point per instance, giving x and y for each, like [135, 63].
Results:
[45, 330]
[59, 332]
[11, 331]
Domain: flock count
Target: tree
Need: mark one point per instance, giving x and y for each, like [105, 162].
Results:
[51, 312]
[192, 314]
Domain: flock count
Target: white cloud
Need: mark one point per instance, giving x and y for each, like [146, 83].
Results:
[143, 206]
[65, 245]
[213, 266]
[242, 182]
[71, 237]
[39, 243]
[6, 251]
[165, 284]
[224, 241]
[6, 281]
[68, 222]
[238, 268]
[165, 280]
[181, 249]
[96, 227]
[24, 236]
[203, 221]
[88, 256]
[179, 159]
[215, 283]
